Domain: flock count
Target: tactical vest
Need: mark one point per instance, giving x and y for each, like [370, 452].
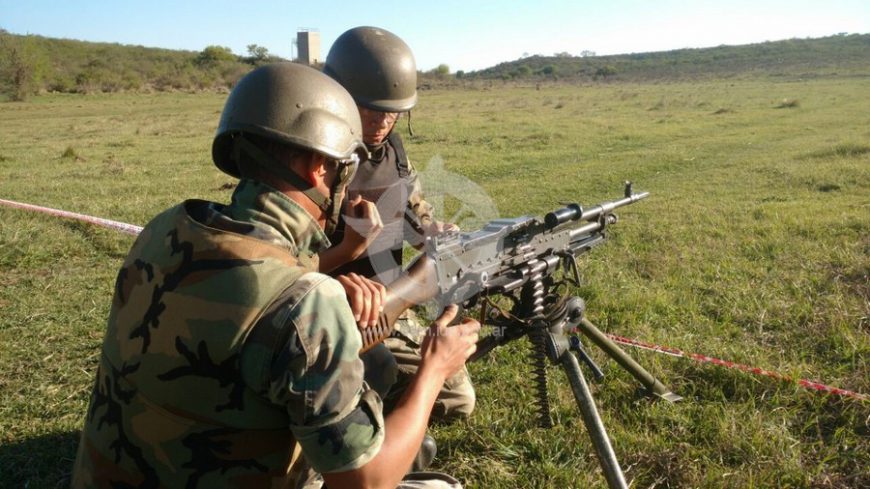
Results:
[170, 397]
[384, 182]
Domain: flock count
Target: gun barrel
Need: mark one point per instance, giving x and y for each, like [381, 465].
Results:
[594, 215]
[607, 207]
[585, 230]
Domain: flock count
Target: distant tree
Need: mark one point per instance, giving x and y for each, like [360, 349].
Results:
[605, 71]
[22, 66]
[563, 54]
[257, 54]
[549, 70]
[460, 74]
[587, 54]
[214, 55]
[442, 70]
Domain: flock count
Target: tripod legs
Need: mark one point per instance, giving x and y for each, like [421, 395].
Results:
[600, 440]
[553, 328]
[561, 352]
[652, 384]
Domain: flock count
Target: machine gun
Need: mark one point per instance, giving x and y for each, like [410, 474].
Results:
[528, 262]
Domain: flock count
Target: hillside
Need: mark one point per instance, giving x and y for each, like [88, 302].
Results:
[833, 55]
[32, 64]
[35, 64]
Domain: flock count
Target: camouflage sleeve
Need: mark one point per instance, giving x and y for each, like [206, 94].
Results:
[315, 371]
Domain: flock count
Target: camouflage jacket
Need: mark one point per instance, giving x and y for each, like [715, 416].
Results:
[390, 181]
[225, 356]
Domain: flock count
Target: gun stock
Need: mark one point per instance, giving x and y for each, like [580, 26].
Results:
[416, 286]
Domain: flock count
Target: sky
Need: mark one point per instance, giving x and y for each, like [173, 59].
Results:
[465, 35]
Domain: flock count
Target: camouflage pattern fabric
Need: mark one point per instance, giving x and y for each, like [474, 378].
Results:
[381, 370]
[413, 480]
[226, 357]
[456, 398]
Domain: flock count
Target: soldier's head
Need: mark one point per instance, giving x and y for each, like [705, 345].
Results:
[379, 71]
[292, 127]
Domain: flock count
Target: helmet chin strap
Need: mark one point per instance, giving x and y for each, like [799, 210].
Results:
[330, 206]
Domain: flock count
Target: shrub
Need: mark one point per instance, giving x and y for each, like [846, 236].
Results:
[71, 153]
[439, 71]
[605, 71]
[214, 55]
[549, 70]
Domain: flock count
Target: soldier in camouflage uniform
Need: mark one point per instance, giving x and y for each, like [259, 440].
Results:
[228, 360]
[379, 71]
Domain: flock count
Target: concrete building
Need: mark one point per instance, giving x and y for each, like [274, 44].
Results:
[308, 45]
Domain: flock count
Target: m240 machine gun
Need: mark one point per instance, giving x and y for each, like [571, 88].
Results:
[529, 262]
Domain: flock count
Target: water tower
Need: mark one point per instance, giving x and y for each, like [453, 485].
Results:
[308, 46]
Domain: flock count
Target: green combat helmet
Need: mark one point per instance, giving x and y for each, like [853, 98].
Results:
[293, 104]
[376, 67]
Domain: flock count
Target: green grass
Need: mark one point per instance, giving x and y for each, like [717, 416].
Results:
[754, 246]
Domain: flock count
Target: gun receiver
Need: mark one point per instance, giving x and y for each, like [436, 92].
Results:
[459, 268]
[518, 259]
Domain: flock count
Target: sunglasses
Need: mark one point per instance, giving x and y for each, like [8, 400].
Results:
[378, 115]
[347, 167]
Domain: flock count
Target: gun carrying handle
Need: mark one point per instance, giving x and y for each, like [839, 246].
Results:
[417, 285]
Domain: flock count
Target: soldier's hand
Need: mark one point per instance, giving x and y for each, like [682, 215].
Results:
[447, 226]
[363, 224]
[446, 348]
[439, 227]
[366, 298]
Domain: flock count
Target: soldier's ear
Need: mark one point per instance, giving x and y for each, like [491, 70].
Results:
[315, 169]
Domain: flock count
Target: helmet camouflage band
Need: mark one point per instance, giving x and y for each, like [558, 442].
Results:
[293, 104]
[376, 67]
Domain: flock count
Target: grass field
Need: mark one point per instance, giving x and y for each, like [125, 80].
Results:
[754, 247]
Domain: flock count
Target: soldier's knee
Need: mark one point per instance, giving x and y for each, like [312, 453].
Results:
[461, 409]
[457, 399]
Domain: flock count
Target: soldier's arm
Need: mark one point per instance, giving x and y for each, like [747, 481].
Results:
[314, 369]
[420, 214]
[362, 226]
[444, 352]
[303, 354]
[421, 210]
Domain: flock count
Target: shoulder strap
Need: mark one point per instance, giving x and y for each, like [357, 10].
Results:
[401, 157]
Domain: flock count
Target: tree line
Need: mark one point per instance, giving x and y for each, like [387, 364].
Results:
[34, 64]
[31, 64]
[840, 54]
